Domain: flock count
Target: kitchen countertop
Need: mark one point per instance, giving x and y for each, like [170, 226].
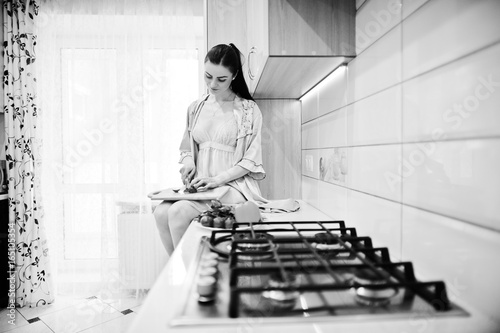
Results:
[161, 303]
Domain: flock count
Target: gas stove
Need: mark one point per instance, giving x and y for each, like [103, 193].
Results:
[317, 271]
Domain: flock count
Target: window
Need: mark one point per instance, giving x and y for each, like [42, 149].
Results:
[116, 92]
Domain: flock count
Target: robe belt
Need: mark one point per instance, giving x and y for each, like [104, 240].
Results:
[216, 145]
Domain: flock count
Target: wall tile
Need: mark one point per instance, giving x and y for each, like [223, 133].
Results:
[310, 135]
[376, 119]
[449, 54]
[329, 95]
[310, 191]
[333, 165]
[332, 129]
[458, 100]
[377, 218]
[374, 19]
[459, 179]
[310, 163]
[332, 200]
[309, 105]
[326, 131]
[332, 91]
[374, 169]
[377, 68]
[409, 6]
[452, 29]
[458, 253]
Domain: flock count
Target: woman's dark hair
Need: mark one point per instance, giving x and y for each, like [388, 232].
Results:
[230, 57]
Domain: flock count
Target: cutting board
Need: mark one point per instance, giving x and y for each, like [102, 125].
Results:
[169, 194]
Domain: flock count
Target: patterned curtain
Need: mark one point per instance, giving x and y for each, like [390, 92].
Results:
[32, 271]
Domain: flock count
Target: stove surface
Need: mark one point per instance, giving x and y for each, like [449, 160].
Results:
[277, 271]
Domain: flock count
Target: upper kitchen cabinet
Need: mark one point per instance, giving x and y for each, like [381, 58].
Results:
[294, 44]
[226, 23]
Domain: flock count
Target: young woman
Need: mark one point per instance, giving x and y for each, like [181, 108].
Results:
[221, 145]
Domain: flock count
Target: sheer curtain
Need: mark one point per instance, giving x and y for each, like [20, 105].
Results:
[115, 80]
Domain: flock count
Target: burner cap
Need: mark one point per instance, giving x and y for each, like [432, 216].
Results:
[368, 276]
[263, 245]
[325, 238]
[375, 297]
[325, 241]
[372, 296]
[282, 299]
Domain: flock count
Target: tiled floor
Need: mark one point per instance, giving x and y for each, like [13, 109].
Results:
[72, 314]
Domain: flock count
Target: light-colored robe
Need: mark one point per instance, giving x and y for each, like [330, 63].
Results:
[248, 151]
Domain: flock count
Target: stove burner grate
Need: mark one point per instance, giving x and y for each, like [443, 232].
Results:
[306, 267]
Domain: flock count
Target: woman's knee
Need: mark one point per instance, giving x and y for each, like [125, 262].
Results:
[161, 213]
[180, 214]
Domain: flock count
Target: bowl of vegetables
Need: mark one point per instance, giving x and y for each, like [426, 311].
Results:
[218, 216]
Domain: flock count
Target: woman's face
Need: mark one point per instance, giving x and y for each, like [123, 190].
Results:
[218, 79]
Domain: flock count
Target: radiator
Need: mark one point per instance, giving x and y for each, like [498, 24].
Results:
[140, 251]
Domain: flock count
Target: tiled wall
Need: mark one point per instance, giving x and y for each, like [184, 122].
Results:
[404, 142]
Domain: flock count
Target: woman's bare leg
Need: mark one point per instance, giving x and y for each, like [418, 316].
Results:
[161, 217]
[180, 215]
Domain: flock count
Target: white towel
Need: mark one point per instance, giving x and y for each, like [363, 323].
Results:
[279, 206]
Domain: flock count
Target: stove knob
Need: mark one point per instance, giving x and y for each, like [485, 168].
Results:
[206, 286]
[208, 271]
[209, 263]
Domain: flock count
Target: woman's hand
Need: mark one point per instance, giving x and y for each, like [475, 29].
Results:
[187, 170]
[203, 184]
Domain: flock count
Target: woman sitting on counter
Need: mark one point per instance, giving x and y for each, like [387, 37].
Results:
[221, 145]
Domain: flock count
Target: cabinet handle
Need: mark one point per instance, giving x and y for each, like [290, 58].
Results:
[250, 74]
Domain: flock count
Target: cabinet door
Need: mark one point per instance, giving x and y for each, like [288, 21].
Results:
[258, 40]
[311, 28]
[226, 23]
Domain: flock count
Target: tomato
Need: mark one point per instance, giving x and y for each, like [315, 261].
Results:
[219, 222]
[229, 222]
[207, 221]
